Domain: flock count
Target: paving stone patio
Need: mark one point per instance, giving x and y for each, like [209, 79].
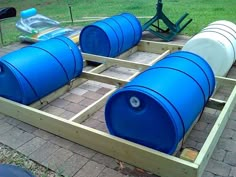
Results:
[75, 160]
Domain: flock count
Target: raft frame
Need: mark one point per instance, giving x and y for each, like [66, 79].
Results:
[132, 153]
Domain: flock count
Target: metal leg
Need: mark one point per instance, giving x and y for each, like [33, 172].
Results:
[186, 24]
[181, 19]
[1, 34]
[149, 23]
[71, 15]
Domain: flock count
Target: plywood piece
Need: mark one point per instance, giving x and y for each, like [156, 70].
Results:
[189, 154]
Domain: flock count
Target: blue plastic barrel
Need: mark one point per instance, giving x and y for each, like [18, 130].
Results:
[158, 107]
[112, 36]
[30, 73]
[7, 170]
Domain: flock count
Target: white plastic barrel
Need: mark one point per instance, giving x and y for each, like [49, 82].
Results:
[216, 44]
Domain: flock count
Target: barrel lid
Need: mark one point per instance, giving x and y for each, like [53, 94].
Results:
[136, 115]
[94, 40]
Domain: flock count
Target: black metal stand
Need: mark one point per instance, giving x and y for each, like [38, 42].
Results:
[71, 15]
[172, 28]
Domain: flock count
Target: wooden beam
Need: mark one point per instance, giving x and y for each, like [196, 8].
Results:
[100, 68]
[103, 78]
[134, 154]
[157, 47]
[225, 81]
[85, 63]
[114, 61]
[213, 137]
[129, 52]
[215, 104]
[91, 109]
[160, 57]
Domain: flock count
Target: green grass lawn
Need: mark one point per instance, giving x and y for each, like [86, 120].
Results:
[202, 12]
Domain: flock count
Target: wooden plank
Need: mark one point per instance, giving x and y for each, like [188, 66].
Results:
[91, 109]
[157, 47]
[189, 154]
[160, 57]
[117, 62]
[213, 137]
[85, 63]
[99, 69]
[133, 76]
[129, 52]
[225, 81]
[215, 104]
[134, 154]
[103, 78]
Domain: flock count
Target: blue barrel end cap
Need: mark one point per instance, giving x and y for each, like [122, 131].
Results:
[94, 40]
[144, 120]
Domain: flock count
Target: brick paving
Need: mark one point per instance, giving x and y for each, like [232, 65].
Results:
[75, 160]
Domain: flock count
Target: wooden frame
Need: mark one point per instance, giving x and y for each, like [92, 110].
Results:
[137, 155]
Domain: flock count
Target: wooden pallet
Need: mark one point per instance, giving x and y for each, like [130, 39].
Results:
[132, 153]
